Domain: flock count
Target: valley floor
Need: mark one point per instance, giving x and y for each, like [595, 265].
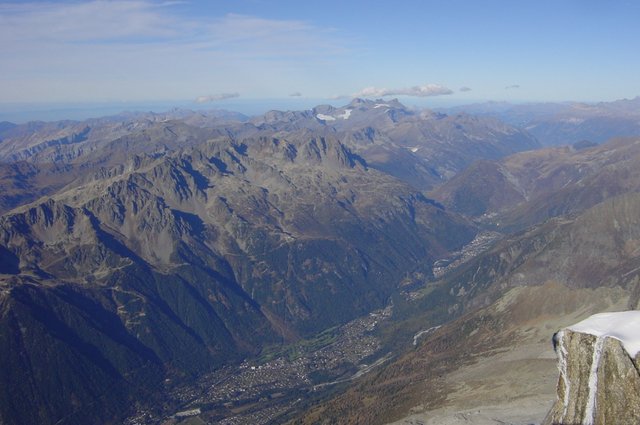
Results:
[264, 390]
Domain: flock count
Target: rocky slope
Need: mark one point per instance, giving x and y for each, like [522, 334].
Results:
[139, 276]
[492, 365]
[599, 380]
[530, 187]
[423, 148]
[38, 159]
[496, 358]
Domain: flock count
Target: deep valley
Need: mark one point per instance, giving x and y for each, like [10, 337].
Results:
[365, 264]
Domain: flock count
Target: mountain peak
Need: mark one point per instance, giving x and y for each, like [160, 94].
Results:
[368, 103]
[357, 101]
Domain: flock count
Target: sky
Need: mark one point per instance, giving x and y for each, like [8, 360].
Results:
[226, 52]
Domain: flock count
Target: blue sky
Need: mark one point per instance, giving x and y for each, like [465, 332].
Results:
[225, 51]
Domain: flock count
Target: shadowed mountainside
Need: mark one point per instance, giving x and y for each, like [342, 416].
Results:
[530, 187]
[495, 362]
[173, 264]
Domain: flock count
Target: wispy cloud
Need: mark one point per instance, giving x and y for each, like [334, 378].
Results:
[216, 97]
[465, 89]
[149, 49]
[426, 90]
[295, 94]
[238, 28]
[83, 22]
[513, 86]
[145, 22]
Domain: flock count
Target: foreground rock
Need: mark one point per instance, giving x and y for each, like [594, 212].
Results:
[599, 380]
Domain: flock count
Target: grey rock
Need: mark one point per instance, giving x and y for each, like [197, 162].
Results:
[599, 382]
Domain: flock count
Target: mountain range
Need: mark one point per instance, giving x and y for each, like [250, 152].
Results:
[495, 361]
[139, 250]
[565, 123]
[142, 252]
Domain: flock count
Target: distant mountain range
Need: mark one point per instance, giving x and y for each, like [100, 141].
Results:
[556, 124]
[421, 148]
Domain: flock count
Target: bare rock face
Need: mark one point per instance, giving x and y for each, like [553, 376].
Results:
[599, 379]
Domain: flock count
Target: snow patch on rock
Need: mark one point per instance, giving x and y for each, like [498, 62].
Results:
[424, 332]
[623, 326]
[324, 117]
[590, 409]
[562, 365]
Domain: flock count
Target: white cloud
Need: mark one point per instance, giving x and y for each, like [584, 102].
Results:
[513, 86]
[216, 97]
[465, 89]
[295, 94]
[426, 90]
[80, 22]
[144, 22]
[144, 49]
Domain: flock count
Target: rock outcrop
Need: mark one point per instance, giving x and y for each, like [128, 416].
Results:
[599, 379]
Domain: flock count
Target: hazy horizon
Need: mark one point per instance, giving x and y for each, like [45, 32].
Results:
[20, 113]
[215, 53]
